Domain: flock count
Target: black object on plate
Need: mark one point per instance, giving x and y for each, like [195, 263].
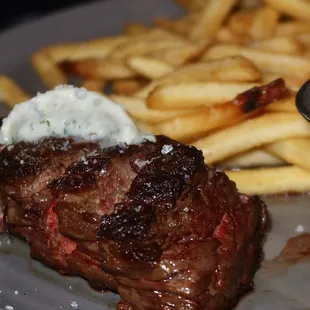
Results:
[303, 100]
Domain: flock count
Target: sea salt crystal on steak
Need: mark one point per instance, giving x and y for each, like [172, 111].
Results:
[166, 149]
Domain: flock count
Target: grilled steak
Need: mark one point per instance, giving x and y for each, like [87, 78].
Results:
[151, 221]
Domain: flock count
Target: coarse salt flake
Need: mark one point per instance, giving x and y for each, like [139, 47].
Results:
[74, 304]
[300, 229]
[166, 149]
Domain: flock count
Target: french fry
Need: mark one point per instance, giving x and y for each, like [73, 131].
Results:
[240, 22]
[10, 92]
[229, 69]
[280, 45]
[188, 127]
[252, 133]
[148, 67]
[154, 40]
[304, 38]
[137, 108]
[194, 95]
[133, 29]
[180, 55]
[292, 82]
[126, 87]
[284, 105]
[46, 61]
[298, 66]
[211, 19]
[225, 35]
[264, 23]
[48, 69]
[143, 48]
[268, 181]
[144, 127]
[98, 48]
[292, 28]
[181, 26]
[253, 158]
[294, 151]
[105, 69]
[299, 9]
[94, 85]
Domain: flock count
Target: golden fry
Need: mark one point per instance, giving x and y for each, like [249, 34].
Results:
[292, 82]
[180, 55]
[94, 85]
[211, 19]
[264, 23]
[225, 35]
[189, 127]
[126, 87]
[294, 151]
[181, 26]
[10, 92]
[250, 159]
[46, 61]
[137, 108]
[298, 66]
[252, 133]
[48, 69]
[292, 28]
[133, 29]
[98, 48]
[145, 127]
[299, 9]
[148, 67]
[268, 181]
[240, 22]
[280, 45]
[229, 69]
[304, 38]
[284, 105]
[194, 95]
[154, 40]
[105, 69]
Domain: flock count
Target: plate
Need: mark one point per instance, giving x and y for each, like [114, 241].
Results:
[26, 284]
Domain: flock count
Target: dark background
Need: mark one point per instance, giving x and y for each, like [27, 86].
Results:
[15, 12]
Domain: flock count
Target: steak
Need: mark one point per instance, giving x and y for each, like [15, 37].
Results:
[150, 221]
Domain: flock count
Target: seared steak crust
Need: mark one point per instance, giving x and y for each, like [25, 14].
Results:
[149, 221]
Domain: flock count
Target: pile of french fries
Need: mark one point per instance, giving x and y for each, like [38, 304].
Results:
[179, 78]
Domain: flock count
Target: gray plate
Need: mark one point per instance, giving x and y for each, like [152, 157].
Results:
[26, 284]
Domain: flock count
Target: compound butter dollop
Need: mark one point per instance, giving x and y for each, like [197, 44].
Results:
[68, 111]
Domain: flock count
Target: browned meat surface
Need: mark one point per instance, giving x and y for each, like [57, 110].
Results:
[25, 171]
[151, 222]
[27, 167]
